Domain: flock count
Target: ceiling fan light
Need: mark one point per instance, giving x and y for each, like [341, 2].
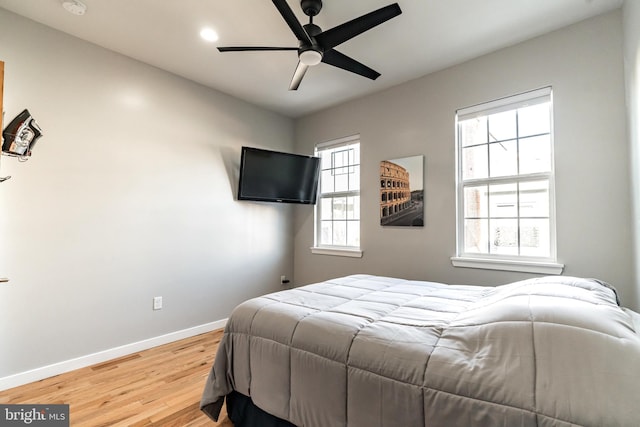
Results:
[310, 57]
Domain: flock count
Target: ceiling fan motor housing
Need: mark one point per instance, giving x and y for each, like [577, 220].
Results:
[311, 7]
[313, 30]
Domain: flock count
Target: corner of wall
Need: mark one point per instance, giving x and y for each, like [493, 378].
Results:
[631, 37]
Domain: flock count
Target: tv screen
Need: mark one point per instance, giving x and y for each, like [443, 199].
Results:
[273, 176]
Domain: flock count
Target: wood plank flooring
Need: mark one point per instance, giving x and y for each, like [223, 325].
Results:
[156, 387]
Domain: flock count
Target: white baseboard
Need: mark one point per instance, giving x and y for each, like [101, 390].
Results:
[102, 356]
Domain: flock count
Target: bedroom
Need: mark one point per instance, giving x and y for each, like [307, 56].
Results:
[128, 195]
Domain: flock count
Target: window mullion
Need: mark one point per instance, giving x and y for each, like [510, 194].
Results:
[508, 179]
[519, 241]
[488, 151]
[518, 218]
[341, 194]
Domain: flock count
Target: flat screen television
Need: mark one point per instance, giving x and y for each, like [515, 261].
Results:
[273, 176]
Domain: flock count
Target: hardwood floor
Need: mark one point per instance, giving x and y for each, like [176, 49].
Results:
[156, 387]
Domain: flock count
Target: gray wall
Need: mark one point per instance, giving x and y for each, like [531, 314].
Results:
[584, 65]
[632, 74]
[129, 195]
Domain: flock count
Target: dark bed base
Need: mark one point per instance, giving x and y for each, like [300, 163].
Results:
[243, 413]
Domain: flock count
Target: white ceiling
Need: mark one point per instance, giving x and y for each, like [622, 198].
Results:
[429, 35]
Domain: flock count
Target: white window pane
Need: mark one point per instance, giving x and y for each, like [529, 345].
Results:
[326, 182]
[473, 131]
[353, 207]
[342, 182]
[504, 236]
[340, 208]
[326, 208]
[340, 233]
[535, 154]
[534, 237]
[504, 158]
[502, 126]
[534, 120]
[534, 199]
[503, 201]
[475, 162]
[354, 179]
[326, 233]
[476, 202]
[325, 159]
[476, 236]
[340, 159]
[355, 150]
[353, 233]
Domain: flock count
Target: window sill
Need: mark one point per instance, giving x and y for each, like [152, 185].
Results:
[508, 265]
[352, 253]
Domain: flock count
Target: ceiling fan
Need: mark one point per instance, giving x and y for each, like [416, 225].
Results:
[317, 46]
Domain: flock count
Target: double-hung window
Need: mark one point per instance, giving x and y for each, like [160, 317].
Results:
[337, 214]
[505, 185]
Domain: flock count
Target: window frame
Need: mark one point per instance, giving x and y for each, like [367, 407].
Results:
[520, 263]
[338, 250]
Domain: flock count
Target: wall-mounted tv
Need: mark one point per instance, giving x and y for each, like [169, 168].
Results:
[273, 176]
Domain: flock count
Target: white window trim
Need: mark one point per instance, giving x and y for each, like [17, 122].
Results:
[337, 251]
[344, 251]
[346, 140]
[498, 262]
[522, 266]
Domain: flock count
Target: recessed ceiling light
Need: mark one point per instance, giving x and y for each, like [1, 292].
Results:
[75, 7]
[209, 34]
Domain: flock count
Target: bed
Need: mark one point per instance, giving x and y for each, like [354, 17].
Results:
[371, 351]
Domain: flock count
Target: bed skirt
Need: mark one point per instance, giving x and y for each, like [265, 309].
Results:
[244, 413]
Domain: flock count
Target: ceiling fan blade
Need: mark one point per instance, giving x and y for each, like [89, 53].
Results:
[301, 69]
[250, 48]
[340, 60]
[292, 21]
[340, 34]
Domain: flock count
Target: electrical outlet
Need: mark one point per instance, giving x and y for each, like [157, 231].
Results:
[284, 280]
[157, 303]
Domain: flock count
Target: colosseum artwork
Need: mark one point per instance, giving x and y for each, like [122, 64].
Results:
[402, 192]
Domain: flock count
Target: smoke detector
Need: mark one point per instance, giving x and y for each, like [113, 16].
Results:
[75, 7]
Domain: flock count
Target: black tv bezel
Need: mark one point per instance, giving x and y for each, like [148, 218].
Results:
[310, 201]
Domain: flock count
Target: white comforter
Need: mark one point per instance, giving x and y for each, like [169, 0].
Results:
[367, 351]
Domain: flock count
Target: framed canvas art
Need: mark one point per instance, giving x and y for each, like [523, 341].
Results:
[402, 192]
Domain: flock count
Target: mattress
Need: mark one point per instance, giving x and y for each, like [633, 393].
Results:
[366, 351]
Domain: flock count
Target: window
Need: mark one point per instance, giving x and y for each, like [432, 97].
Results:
[337, 212]
[505, 217]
